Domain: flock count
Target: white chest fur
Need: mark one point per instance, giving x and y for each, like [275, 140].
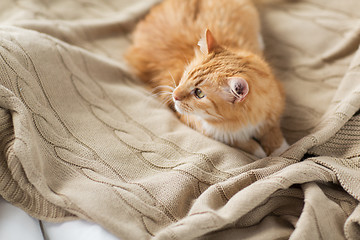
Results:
[229, 137]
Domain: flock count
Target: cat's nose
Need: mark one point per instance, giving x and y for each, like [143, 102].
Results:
[176, 96]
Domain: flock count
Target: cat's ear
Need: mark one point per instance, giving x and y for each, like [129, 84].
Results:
[207, 43]
[238, 88]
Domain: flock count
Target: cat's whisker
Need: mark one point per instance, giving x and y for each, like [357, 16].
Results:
[163, 86]
[162, 93]
[167, 100]
[172, 77]
[164, 98]
[187, 60]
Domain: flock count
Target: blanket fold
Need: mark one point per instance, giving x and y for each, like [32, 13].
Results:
[81, 138]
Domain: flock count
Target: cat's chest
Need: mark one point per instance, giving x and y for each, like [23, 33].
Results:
[242, 134]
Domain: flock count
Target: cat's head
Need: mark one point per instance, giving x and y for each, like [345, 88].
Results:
[220, 84]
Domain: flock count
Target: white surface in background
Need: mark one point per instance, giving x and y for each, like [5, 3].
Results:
[15, 224]
[76, 230]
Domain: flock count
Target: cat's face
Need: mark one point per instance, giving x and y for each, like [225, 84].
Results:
[217, 84]
[212, 86]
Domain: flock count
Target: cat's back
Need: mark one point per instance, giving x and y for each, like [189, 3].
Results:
[166, 38]
[233, 22]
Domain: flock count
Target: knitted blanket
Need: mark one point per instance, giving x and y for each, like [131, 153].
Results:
[81, 138]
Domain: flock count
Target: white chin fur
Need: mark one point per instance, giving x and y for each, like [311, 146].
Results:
[229, 137]
[284, 146]
[177, 108]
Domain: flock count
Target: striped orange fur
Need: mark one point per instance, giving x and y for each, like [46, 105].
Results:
[207, 55]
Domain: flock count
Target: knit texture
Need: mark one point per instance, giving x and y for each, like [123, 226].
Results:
[81, 138]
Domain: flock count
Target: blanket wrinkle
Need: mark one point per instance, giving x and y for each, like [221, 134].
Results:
[80, 137]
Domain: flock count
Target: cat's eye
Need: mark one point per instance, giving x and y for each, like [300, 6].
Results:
[198, 93]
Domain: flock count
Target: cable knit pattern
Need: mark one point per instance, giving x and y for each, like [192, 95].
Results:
[81, 138]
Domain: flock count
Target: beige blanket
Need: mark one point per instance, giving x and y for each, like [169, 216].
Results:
[80, 138]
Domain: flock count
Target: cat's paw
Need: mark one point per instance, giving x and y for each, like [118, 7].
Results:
[277, 152]
[260, 153]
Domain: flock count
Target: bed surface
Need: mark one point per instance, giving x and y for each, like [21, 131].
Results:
[86, 150]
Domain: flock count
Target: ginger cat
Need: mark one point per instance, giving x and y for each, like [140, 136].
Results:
[223, 87]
